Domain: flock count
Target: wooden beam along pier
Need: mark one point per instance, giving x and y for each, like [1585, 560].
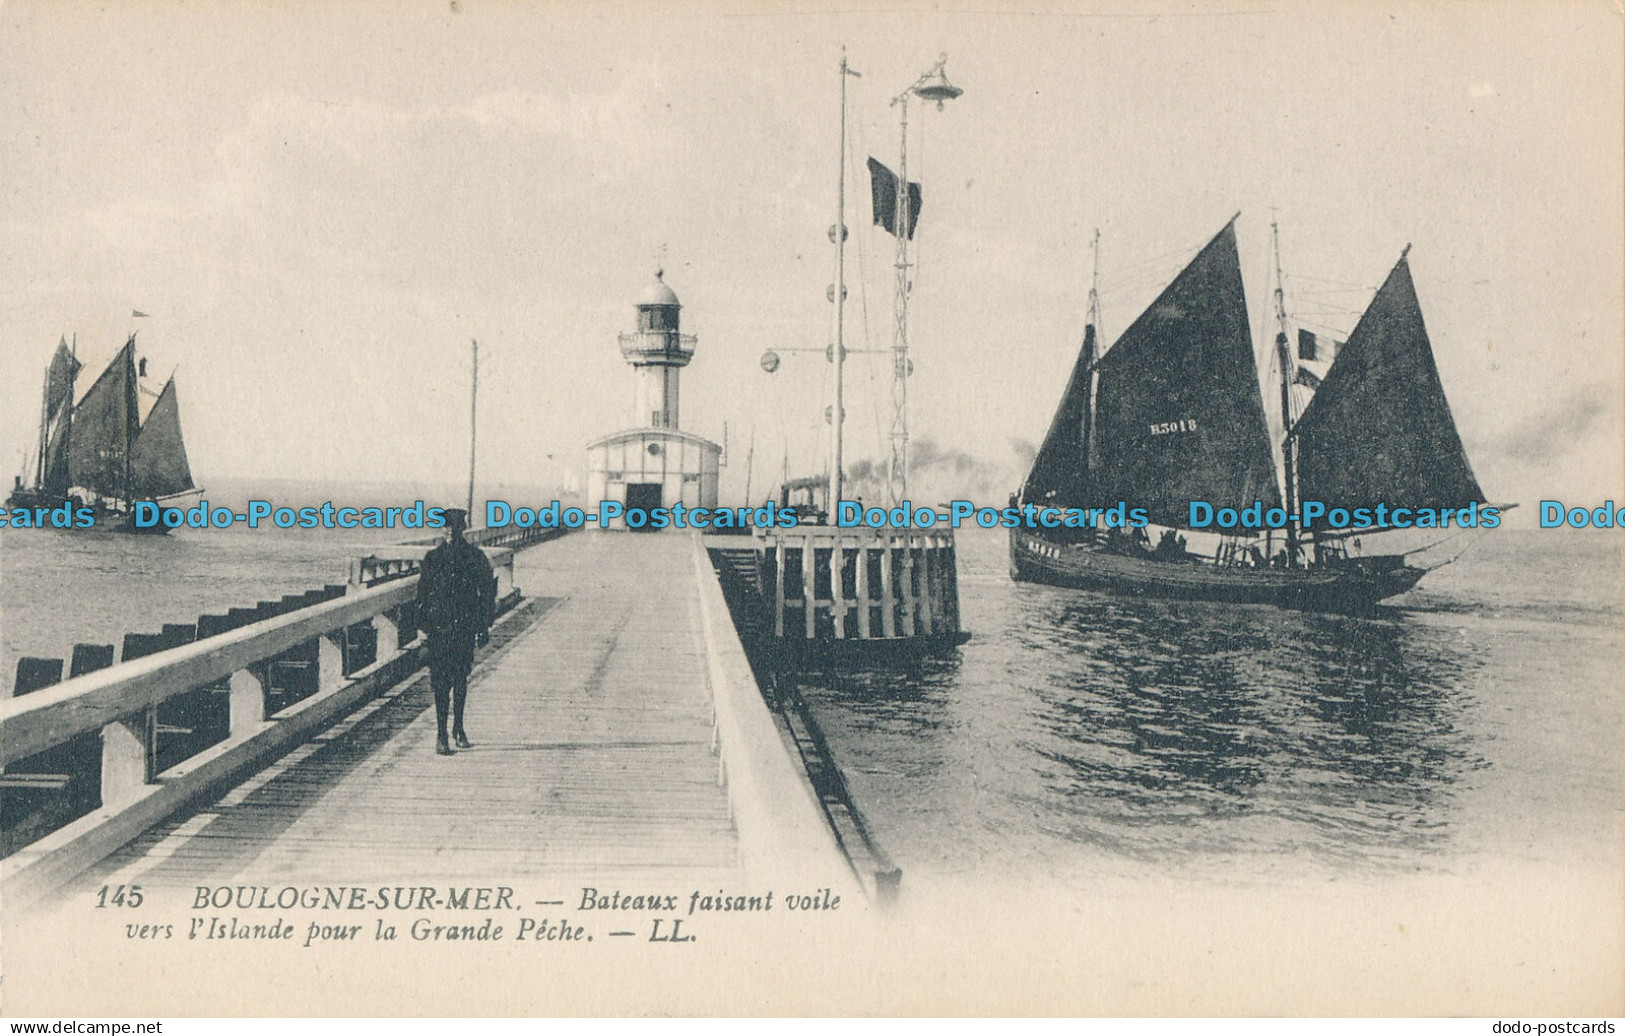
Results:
[617, 723]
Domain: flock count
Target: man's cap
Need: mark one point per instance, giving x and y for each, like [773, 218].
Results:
[456, 518]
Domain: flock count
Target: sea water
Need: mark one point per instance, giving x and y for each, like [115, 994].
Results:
[1078, 734]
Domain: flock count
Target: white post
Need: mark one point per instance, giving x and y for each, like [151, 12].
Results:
[837, 603]
[888, 623]
[389, 635]
[504, 573]
[863, 588]
[247, 702]
[329, 660]
[124, 759]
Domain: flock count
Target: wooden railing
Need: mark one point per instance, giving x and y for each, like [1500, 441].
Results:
[391, 563]
[119, 709]
[115, 701]
[510, 537]
[119, 706]
[513, 537]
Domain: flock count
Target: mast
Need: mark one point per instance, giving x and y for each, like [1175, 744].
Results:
[132, 416]
[1284, 360]
[897, 476]
[1091, 348]
[473, 430]
[837, 414]
[44, 430]
[67, 418]
[750, 463]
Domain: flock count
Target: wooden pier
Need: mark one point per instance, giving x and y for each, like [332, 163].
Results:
[617, 730]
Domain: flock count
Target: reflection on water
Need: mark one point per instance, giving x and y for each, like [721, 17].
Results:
[1077, 722]
[1179, 715]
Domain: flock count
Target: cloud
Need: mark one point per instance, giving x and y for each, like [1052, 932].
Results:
[938, 472]
[1025, 450]
[1558, 429]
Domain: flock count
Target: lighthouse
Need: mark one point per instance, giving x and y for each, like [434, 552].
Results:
[654, 464]
[658, 351]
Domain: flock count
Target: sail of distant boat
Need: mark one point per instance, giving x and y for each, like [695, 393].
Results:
[105, 422]
[100, 446]
[51, 472]
[158, 464]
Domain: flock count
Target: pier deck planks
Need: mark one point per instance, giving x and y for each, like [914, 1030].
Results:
[593, 754]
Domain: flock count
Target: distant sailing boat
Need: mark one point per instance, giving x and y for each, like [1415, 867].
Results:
[98, 452]
[1173, 414]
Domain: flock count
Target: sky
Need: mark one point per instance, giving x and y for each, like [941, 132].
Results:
[318, 206]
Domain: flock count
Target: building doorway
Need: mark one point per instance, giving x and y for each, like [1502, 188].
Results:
[644, 495]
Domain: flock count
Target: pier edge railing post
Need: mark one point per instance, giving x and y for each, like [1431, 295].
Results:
[329, 660]
[837, 589]
[888, 619]
[247, 704]
[126, 758]
[778, 586]
[809, 586]
[389, 635]
[862, 588]
[927, 585]
[504, 574]
[911, 627]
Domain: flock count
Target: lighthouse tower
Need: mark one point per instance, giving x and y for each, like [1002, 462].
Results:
[654, 464]
[658, 351]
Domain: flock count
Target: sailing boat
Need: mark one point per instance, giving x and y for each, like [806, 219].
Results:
[1173, 413]
[99, 452]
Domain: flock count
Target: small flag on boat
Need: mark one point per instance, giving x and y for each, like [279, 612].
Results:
[136, 313]
[1306, 378]
[1309, 346]
[883, 191]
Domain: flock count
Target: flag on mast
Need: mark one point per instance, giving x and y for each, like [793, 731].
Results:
[883, 191]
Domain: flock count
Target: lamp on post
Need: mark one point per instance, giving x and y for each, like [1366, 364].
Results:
[933, 85]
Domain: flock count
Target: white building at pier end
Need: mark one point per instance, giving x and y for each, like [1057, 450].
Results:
[655, 463]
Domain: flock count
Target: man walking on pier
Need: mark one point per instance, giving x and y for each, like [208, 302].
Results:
[456, 606]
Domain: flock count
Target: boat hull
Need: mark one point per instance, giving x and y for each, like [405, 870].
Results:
[105, 517]
[1353, 586]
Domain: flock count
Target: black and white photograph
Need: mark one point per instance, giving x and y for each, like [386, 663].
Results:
[739, 509]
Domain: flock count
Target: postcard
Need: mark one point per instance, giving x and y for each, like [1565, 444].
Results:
[745, 509]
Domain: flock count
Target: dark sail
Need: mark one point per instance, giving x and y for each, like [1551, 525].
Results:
[1178, 411]
[104, 423]
[1379, 429]
[1060, 473]
[59, 378]
[158, 464]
